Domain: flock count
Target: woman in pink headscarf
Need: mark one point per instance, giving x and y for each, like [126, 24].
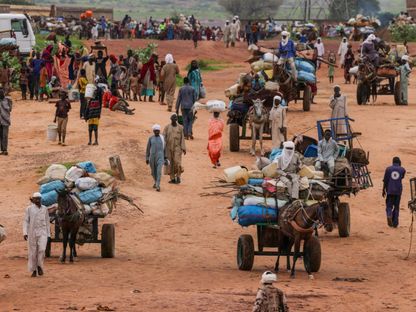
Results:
[48, 59]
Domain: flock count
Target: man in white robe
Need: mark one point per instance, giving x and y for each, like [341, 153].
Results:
[343, 49]
[36, 231]
[320, 49]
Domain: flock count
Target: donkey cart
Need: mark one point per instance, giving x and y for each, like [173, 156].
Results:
[88, 232]
[267, 237]
[373, 82]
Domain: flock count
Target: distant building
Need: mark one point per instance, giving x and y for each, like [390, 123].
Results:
[411, 7]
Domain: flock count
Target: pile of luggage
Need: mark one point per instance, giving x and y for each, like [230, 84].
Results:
[83, 180]
[363, 21]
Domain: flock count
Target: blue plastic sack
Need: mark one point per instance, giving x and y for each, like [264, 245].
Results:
[255, 182]
[303, 65]
[52, 186]
[311, 151]
[49, 198]
[275, 152]
[249, 215]
[305, 76]
[88, 166]
[90, 196]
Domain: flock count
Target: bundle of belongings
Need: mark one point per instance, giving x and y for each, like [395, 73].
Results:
[363, 21]
[87, 186]
[286, 176]
[2, 233]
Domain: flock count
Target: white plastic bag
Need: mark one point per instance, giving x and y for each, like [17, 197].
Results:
[86, 183]
[74, 173]
[215, 106]
[56, 172]
[270, 58]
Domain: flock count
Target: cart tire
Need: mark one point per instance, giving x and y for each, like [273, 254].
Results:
[108, 241]
[245, 252]
[307, 96]
[312, 254]
[48, 249]
[397, 89]
[362, 93]
[234, 137]
[344, 220]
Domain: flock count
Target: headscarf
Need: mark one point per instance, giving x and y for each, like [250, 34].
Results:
[169, 58]
[405, 58]
[287, 154]
[285, 41]
[113, 58]
[149, 66]
[268, 277]
[370, 38]
[279, 98]
[156, 127]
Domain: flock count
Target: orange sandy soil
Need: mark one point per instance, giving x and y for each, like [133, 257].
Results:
[181, 255]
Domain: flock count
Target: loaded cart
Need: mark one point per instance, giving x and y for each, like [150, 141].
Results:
[267, 237]
[89, 231]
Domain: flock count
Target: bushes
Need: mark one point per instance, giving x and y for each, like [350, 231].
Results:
[13, 64]
[400, 33]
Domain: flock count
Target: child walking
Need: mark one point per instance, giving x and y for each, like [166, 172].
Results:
[43, 81]
[63, 106]
[331, 67]
[24, 79]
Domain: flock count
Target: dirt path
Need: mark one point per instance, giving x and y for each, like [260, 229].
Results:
[180, 256]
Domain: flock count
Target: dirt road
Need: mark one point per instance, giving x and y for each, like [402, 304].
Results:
[181, 255]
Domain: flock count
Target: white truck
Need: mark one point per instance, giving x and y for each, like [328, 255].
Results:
[22, 29]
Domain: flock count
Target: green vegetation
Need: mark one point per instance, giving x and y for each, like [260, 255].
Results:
[145, 53]
[42, 43]
[12, 63]
[210, 65]
[179, 80]
[402, 33]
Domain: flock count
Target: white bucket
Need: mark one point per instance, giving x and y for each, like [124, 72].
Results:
[73, 95]
[52, 132]
[230, 173]
[89, 90]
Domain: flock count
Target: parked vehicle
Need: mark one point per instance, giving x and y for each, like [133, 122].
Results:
[22, 29]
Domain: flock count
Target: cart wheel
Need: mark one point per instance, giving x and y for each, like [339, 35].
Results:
[397, 95]
[344, 220]
[48, 249]
[234, 137]
[245, 252]
[108, 241]
[307, 96]
[312, 254]
[362, 93]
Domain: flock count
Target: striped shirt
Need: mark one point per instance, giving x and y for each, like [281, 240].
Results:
[5, 110]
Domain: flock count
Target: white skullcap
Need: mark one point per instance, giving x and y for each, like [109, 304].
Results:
[169, 58]
[277, 98]
[405, 58]
[285, 33]
[156, 127]
[371, 37]
[268, 277]
[36, 195]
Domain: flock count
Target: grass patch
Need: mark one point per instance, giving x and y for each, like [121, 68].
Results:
[179, 80]
[41, 170]
[42, 43]
[210, 65]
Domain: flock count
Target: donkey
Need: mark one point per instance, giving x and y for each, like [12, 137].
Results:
[297, 222]
[258, 117]
[70, 219]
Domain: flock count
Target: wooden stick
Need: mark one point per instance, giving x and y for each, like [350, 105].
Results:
[326, 62]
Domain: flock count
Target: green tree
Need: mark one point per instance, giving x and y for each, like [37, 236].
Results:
[251, 9]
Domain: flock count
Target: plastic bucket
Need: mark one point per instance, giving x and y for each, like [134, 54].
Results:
[73, 95]
[89, 90]
[52, 132]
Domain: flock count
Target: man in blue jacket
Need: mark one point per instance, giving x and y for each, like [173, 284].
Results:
[393, 189]
[287, 53]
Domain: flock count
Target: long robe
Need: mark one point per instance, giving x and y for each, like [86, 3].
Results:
[175, 146]
[278, 118]
[36, 227]
[89, 71]
[195, 80]
[342, 50]
[168, 74]
[404, 82]
[215, 129]
[155, 154]
[62, 70]
[339, 110]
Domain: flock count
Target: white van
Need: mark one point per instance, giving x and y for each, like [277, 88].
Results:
[20, 25]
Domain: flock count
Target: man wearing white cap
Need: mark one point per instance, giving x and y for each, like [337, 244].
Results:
[270, 298]
[36, 232]
[277, 117]
[405, 71]
[155, 155]
[287, 53]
